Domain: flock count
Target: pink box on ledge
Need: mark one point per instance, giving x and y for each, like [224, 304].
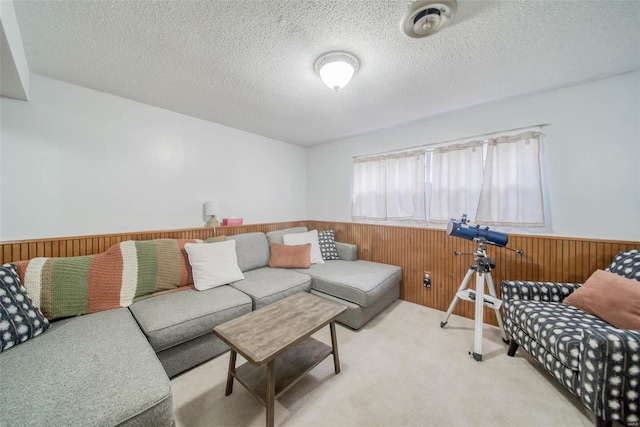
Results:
[232, 221]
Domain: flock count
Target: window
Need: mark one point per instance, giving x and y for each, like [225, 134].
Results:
[512, 187]
[456, 181]
[406, 182]
[390, 187]
[494, 182]
[369, 188]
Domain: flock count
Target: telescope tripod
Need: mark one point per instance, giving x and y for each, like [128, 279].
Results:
[482, 269]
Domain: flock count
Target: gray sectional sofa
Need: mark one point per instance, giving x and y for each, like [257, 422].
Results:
[113, 367]
[96, 369]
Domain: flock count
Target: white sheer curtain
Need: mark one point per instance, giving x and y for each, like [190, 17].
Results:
[495, 182]
[369, 200]
[406, 186]
[511, 193]
[456, 181]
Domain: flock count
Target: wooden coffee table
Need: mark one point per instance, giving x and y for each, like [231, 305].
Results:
[279, 332]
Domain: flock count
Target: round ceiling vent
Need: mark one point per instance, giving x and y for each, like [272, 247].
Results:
[427, 17]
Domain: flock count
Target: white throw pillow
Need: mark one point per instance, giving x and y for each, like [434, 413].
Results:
[213, 264]
[303, 238]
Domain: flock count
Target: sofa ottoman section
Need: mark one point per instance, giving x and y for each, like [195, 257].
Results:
[368, 286]
[172, 321]
[356, 316]
[267, 285]
[90, 370]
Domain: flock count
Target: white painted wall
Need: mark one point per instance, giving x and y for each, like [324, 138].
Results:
[75, 161]
[592, 154]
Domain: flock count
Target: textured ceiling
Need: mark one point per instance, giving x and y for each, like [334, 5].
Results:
[249, 64]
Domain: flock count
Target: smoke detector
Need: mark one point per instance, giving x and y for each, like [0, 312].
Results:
[427, 17]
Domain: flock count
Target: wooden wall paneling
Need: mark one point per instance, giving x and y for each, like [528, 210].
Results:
[253, 228]
[85, 245]
[599, 252]
[583, 262]
[577, 254]
[553, 260]
[546, 258]
[438, 297]
[415, 249]
[573, 270]
[532, 265]
[425, 298]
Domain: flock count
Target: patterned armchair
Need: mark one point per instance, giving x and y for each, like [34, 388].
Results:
[593, 359]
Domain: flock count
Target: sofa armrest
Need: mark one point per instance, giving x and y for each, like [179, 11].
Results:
[536, 291]
[610, 373]
[347, 251]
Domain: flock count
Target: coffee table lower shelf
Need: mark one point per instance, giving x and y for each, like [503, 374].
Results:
[291, 366]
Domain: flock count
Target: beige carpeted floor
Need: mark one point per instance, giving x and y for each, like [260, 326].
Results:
[401, 369]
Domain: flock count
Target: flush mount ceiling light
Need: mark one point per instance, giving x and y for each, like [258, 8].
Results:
[336, 69]
[427, 17]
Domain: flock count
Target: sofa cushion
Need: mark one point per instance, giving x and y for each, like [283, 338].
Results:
[214, 264]
[267, 285]
[360, 282]
[87, 370]
[276, 236]
[171, 319]
[252, 250]
[611, 297]
[294, 256]
[20, 320]
[555, 326]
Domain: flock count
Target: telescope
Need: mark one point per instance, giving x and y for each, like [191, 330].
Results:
[466, 230]
[482, 268]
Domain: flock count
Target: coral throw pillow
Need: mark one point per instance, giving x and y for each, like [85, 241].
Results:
[613, 298]
[290, 256]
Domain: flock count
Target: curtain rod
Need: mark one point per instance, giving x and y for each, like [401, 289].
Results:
[454, 140]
